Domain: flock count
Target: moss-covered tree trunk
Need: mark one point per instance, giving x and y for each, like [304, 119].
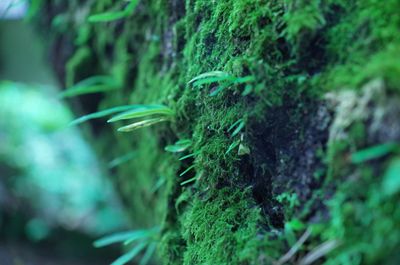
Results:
[291, 136]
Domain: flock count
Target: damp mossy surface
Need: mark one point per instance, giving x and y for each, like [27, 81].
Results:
[324, 86]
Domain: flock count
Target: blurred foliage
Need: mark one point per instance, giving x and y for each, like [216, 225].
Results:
[56, 176]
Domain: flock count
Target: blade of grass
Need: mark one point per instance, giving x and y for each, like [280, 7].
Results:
[235, 124]
[179, 146]
[141, 124]
[209, 74]
[116, 238]
[102, 113]
[189, 180]
[188, 156]
[210, 80]
[160, 182]
[373, 152]
[218, 90]
[111, 16]
[293, 250]
[247, 90]
[130, 254]
[318, 252]
[239, 124]
[120, 160]
[391, 178]
[141, 234]
[90, 85]
[148, 254]
[232, 146]
[106, 17]
[142, 111]
[186, 171]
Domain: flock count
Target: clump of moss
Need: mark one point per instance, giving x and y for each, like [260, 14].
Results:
[221, 229]
[250, 207]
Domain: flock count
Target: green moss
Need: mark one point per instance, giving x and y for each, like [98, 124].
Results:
[297, 51]
[221, 229]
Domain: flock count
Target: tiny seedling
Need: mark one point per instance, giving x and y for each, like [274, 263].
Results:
[374, 152]
[232, 146]
[145, 115]
[189, 180]
[121, 159]
[179, 146]
[209, 77]
[112, 16]
[239, 124]
[189, 156]
[141, 124]
[148, 115]
[140, 239]
[391, 180]
[187, 170]
[102, 113]
[141, 111]
[94, 84]
[224, 79]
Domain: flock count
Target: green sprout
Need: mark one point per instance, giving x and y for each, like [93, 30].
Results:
[94, 84]
[102, 113]
[239, 124]
[179, 146]
[232, 146]
[112, 16]
[144, 116]
[142, 240]
[224, 80]
[121, 159]
[374, 152]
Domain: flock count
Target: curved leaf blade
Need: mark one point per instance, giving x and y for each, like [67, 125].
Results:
[114, 238]
[102, 113]
[130, 254]
[143, 111]
[141, 124]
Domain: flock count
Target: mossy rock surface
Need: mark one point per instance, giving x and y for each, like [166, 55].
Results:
[299, 144]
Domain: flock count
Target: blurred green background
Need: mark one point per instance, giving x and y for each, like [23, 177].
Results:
[54, 196]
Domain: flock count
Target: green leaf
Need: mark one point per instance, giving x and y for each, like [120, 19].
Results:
[94, 84]
[189, 180]
[373, 152]
[232, 146]
[142, 111]
[160, 182]
[239, 124]
[247, 90]
[148, 254]
[245, 79]
[141, 234]
[107, 16]
[120, 160]
[179, 146]
[391, 179]
[209, 75]
[102, 113]
[111, 16]
[188, 156]
[141, 124]
[218, 90]
[187, 170]
[130, 254]
[116, 238]
[211, 80]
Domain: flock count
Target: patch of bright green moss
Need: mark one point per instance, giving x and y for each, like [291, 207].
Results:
[296, 50]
